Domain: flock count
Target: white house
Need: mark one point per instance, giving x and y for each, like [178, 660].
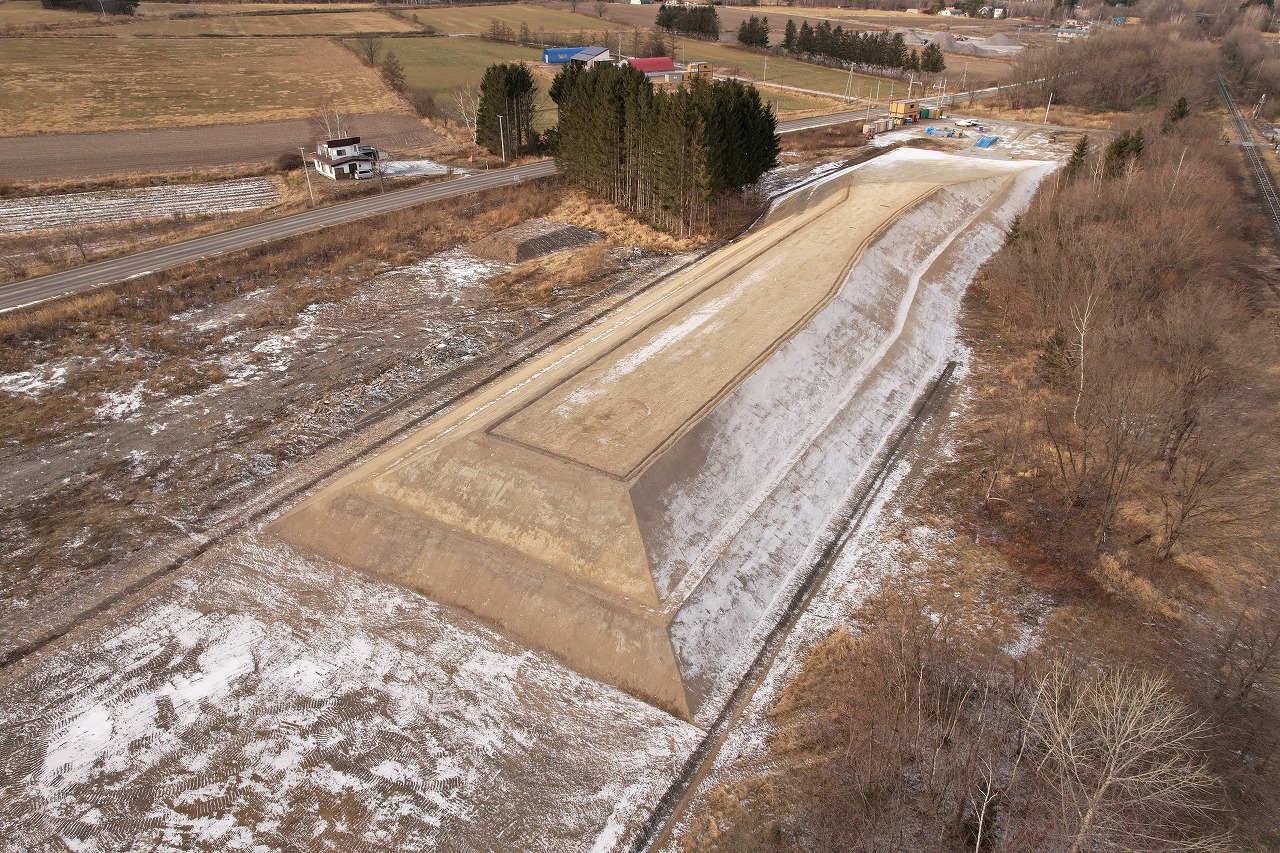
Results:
[341, 159]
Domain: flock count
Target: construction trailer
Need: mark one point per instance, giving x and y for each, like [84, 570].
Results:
[904, 111]
[699, 70]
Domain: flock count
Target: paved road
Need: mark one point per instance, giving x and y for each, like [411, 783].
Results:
[54, 285]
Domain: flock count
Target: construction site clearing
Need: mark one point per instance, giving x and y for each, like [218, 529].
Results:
[632, 501]
[634, 506]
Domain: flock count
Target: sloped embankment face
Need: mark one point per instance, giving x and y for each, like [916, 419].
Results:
[638, 500]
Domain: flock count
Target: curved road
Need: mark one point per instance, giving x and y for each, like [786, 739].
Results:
[35, 290]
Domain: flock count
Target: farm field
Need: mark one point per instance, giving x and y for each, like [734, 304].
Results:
[27, 13]
[161, 83]
[285, 24]
[475, 19]
[788, 72]
[441, 66]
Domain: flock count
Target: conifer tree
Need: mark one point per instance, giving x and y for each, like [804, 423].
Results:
[932, 60]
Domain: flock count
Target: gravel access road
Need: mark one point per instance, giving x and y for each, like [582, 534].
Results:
[35, 290]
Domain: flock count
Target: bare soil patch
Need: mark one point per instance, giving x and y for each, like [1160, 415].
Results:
[72, 156]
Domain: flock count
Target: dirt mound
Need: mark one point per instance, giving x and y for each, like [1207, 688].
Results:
[530, 240]
[944, 41]
[909, 38]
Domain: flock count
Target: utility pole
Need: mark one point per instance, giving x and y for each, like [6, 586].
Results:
[306, 172]
[502, 135]
[1046, 108]
[765, 79]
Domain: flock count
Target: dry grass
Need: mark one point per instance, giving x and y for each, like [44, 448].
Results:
[617, 227]
[241, 24]
[821, 141]
[310, 268]
[475, 19]
[22, 14]
[50, 87]
[542, 279]
[442, 66]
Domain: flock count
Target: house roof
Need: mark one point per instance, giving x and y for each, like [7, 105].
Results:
[653, 64]
[589, 53]
[338, 143]
[338, 161]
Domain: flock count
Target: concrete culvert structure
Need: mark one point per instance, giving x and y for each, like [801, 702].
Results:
[530, 240]
[640, 500]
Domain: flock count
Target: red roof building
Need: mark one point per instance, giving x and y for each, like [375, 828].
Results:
[653, 65]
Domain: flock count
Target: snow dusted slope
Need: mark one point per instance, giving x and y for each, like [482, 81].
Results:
[780, 456]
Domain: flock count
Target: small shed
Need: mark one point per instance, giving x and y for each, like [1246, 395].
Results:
[905, 109]
[655, 66]
[588, 57]
[558, 55]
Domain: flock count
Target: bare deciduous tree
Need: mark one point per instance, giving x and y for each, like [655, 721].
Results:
[368, 48]
[1122, 756]
[330, 118]
[76, 239]
[468, 101]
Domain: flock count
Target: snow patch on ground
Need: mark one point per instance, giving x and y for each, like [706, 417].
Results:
[268, 698]
[406, 168]
[117, 405]
[73, 209]
[33, 382]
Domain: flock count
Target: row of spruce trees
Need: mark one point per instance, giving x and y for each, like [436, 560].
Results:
[670, 156]
[702, 22]
[870, 50]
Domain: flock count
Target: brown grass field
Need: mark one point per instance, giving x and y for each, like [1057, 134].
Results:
[475, 19]
[290, 24]
[26, 13]
[154, 83]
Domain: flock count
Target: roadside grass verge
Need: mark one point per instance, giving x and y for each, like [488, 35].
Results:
[38, 253]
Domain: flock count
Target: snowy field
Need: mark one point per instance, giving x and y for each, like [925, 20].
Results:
[266, 699]
[74, 209]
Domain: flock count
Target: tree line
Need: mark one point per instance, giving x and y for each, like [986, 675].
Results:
[868, 50]
[105, 7]
[668, 156]
[701, 22]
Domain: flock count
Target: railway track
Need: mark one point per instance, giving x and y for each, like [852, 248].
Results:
[1266, 187]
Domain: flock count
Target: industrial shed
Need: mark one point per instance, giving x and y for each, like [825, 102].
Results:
[659, 67]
